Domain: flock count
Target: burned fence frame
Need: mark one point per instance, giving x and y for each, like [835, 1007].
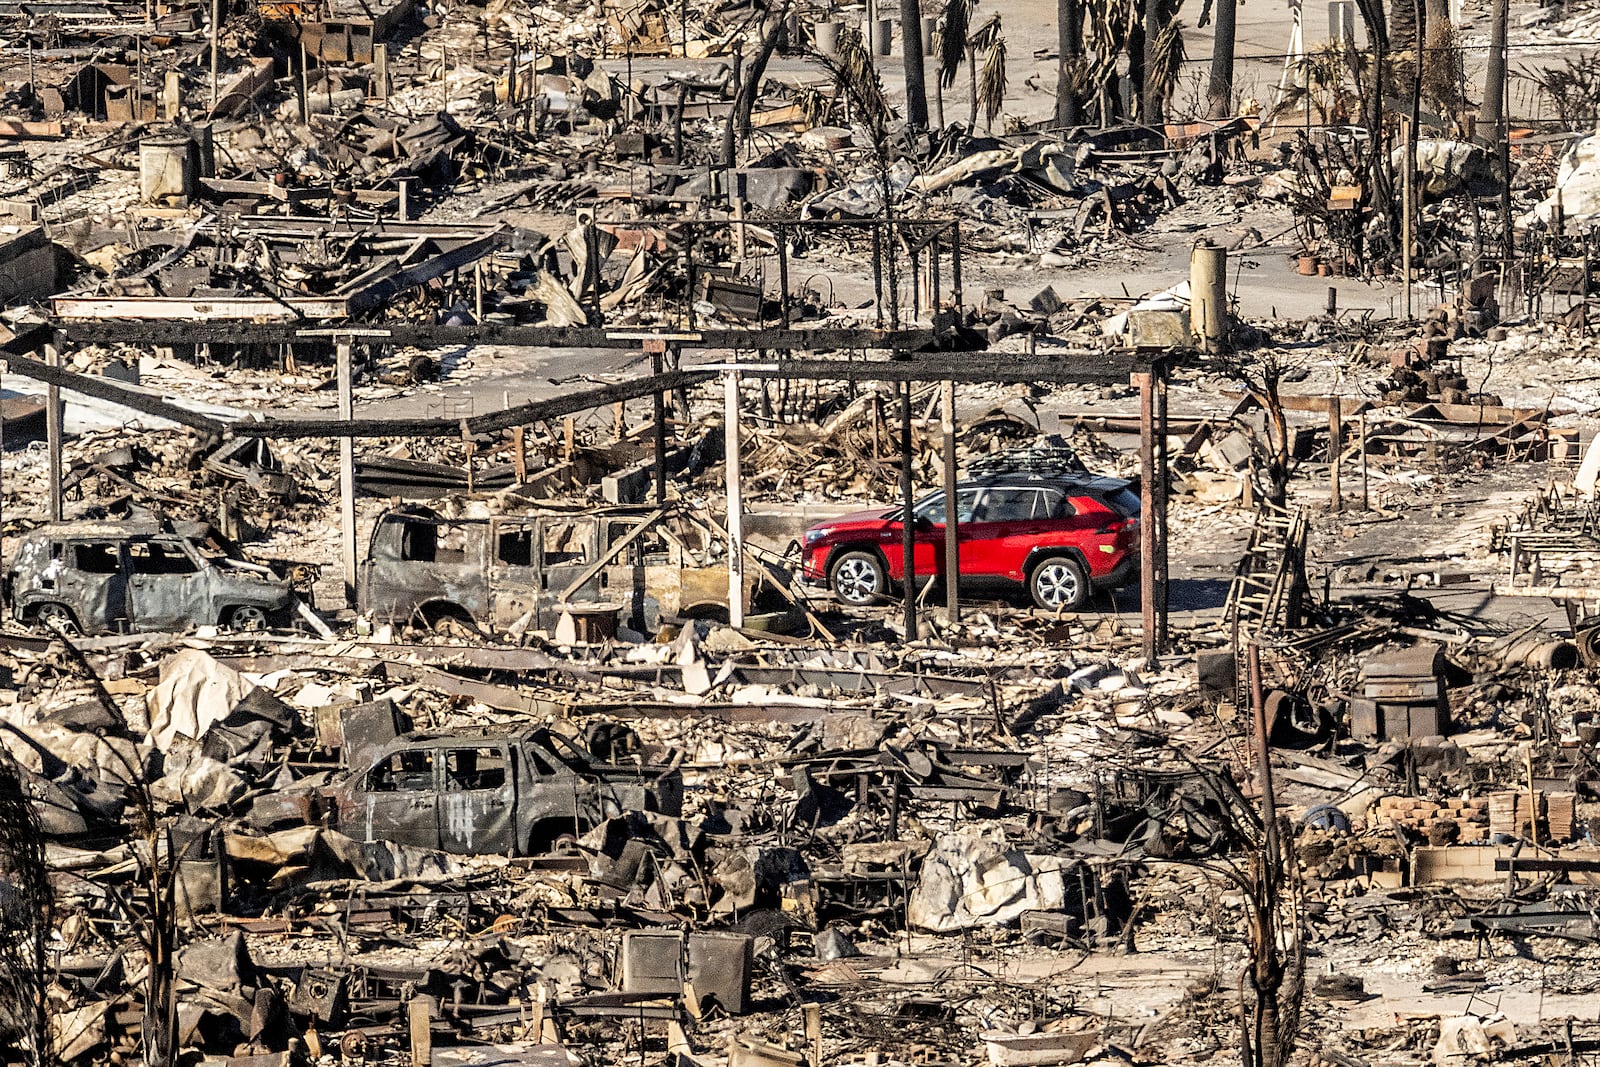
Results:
[1148, 370]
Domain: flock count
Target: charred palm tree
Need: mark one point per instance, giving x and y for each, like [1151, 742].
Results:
[950, 45]
[1118, 28]
[856, 79]
[990, 95]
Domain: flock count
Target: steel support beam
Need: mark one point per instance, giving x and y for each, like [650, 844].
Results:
[185, 331]
[735, 486]
[952, 532]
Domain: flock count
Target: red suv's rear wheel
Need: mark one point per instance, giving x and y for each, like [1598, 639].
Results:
[858, 578]
[1058, 582]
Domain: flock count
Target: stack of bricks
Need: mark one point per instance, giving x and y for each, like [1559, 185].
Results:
[1509, 814]
[1472, 815]
[1558, 813]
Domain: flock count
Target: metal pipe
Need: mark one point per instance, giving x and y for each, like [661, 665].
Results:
[347, 475]
[952, 521]
[907, 524]
[734, 474]
[1145, 380]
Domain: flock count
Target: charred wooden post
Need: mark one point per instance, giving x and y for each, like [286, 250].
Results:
[658, 413]
[730, 435]
[1366, 502]
[1335, 448]
[52, 433]
[1145, 380]
[781, 232]
[1159, 519]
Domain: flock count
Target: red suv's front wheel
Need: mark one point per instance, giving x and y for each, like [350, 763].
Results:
[858, 578]
[1058, 582]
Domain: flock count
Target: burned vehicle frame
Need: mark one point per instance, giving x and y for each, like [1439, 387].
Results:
[502, 571]
[521, 792]
[108, 577]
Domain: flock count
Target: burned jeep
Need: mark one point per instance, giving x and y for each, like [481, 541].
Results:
[492, 791]
[110, 577]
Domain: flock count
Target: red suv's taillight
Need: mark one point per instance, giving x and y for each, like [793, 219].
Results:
[1130, 523]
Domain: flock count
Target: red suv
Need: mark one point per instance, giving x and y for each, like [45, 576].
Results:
[1062, 536]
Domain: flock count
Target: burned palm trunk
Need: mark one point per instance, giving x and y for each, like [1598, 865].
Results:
[1069, 41]
[916, 86]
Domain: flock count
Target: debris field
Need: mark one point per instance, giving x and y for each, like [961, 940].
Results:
[775, 534]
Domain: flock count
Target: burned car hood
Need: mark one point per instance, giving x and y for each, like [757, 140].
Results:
[855, 518]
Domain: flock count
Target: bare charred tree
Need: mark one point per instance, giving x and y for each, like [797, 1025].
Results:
[991, 92]
[1267, 877]
[744, 101]
[25, 907]
[951, 45]
[1150, 106]
[1273, 461]
[1270, 1012]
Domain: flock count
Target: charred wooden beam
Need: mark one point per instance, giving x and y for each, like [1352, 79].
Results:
[104, 389]
[494, 422]
[193, 332]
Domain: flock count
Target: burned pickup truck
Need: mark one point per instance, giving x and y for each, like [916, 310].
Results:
[519, 793]
[425, 568]
[107, 577]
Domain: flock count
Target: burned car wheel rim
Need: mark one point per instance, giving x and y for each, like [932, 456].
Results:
[247, 618]
[55, 617]
[1057, 584]
[856, 580]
